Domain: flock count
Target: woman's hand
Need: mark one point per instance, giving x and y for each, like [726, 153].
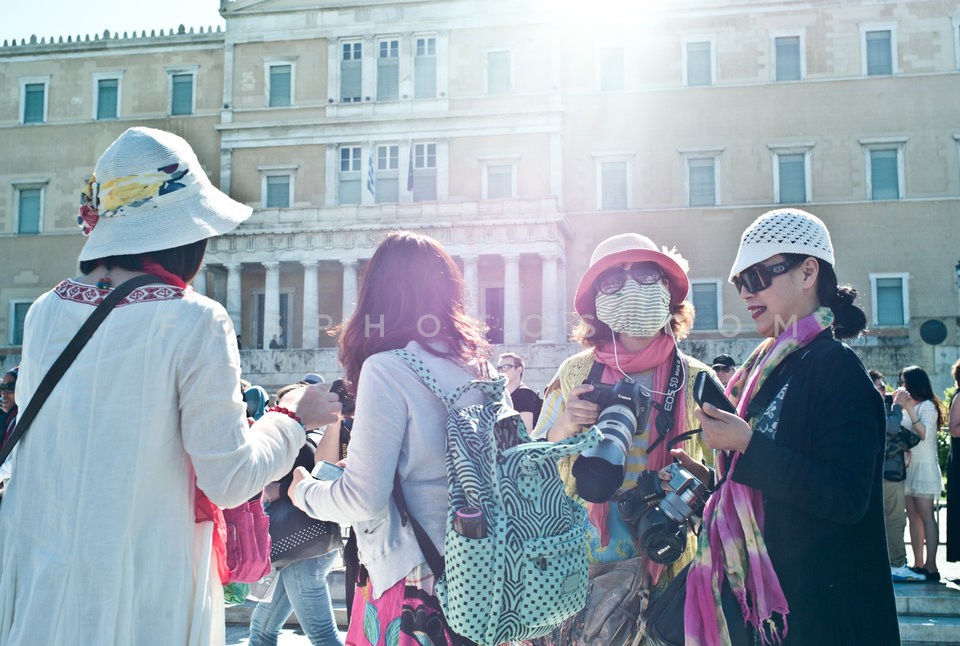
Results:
[298, 475]
[903, 398]
[723, 431]
[697, 469]
[313, 404]
[576, 414]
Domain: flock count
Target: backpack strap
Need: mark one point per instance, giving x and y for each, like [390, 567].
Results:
[493, 388]
[430, 552]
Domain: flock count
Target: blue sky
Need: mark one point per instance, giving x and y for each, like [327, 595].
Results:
[55, 18]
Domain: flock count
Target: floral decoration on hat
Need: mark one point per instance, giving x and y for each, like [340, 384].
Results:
[136, 190]
[89, 209]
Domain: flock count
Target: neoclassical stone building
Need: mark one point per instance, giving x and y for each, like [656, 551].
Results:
[519, 134]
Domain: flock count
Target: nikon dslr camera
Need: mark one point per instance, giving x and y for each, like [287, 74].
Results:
[658, 518]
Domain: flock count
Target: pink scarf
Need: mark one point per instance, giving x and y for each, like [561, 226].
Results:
[732, 539]
[658, 356]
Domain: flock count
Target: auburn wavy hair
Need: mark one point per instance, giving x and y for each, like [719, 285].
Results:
[412, 291]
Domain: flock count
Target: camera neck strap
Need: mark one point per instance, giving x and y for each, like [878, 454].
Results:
[665, 417]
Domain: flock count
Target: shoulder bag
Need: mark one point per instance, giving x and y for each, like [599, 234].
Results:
[295, 535]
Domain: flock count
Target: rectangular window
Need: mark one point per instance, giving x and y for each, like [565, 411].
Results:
[879, 48]
[351, 72]
[18, 312]
[350, 175]
[792, 170]
[699, 63]
[388, 174]
[425, 68]
[34, 102]
[498, 73]
[884, 174]
[281, 77]
[181, 94]
[787, 58]
[388, 70]
[278, 192]
[107, 95]
[706, 303]
[701, 174]
[499, 181]
[613, 185]
[890, 300]
[29, 205]
[424, 172]
[611, 69]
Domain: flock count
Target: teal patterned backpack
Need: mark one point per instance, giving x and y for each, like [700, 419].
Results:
[522, 569]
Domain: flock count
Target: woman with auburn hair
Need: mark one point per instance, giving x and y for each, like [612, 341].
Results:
[922, 414]
[412, 298]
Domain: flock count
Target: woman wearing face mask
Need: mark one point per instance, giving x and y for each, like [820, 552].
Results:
[631, 300]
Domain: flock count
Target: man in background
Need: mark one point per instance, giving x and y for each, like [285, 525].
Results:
[525, 400]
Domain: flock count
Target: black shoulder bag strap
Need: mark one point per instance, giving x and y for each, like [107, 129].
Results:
[430, 551]
[66, 358]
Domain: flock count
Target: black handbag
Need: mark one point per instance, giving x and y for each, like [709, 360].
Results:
[294, 535]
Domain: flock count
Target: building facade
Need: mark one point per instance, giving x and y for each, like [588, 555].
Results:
[519, 134]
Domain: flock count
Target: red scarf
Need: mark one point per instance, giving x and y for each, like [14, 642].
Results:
[203, 509]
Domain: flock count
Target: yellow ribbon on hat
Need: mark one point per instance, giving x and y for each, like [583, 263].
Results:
[132, 190]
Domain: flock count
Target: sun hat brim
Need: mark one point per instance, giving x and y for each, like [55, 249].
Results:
[150, 227]
[585, 302]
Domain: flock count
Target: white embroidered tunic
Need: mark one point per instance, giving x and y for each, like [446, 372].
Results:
[98, 543]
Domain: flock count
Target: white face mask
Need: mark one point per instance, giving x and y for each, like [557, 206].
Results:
[636, 310]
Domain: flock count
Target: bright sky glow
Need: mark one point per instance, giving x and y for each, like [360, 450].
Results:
[56, 18]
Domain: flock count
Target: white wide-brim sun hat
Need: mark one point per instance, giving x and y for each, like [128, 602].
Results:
[152, 194]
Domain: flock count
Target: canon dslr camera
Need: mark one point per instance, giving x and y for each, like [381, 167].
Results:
[624, 408]
[658, 518]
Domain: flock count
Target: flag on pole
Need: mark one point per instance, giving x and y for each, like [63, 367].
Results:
[371, 175]
[410, 170]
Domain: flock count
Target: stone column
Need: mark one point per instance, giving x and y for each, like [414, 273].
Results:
[548, 303]
[233, 295]
[271, 303]
[200, 281]
[311, 311]
[349, 287]
[471, 278]
[511, 299]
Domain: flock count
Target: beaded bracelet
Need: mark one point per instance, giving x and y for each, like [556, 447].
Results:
[286, 411]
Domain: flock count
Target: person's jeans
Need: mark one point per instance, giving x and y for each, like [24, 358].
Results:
[895, 512]
[301, 588]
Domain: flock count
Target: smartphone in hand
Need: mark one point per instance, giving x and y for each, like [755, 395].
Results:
[707, 390]
[326, 471]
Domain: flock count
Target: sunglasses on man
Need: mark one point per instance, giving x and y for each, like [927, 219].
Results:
[612, 280]
[8, 388]
[505, 366]
[757, 278]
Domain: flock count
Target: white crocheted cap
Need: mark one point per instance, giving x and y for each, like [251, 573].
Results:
[783, 231]
[153, 194]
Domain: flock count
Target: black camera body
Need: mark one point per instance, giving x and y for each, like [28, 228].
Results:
[658, 517]
[624, 409]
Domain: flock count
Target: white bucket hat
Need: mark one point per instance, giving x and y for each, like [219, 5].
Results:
[783, 231]
[149, 193]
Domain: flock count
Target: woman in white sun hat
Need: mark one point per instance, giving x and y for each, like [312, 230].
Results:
[796, 529]
[108, 529]
[631, 301]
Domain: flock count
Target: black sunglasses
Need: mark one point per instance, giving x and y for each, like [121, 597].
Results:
[504, 366]
[757, 278]
[611, 281]
[9, 388]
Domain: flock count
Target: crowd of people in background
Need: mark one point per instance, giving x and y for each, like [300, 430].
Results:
[803, 492]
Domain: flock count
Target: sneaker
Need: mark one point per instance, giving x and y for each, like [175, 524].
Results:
[903, 574]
